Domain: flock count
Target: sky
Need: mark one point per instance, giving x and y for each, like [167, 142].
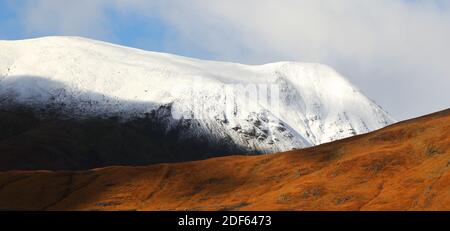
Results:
[395, 51]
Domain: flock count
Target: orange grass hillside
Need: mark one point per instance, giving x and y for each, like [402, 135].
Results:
[401, 167]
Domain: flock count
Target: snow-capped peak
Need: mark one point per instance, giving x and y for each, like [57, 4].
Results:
[297, 104]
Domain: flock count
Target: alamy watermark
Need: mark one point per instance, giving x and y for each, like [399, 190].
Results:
[202, 98]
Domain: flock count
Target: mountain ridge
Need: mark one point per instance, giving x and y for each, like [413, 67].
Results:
[96, 78]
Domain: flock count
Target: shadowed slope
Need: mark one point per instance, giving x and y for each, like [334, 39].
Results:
[401, 167]
[28, 142]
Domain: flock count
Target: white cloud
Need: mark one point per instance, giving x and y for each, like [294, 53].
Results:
[81, 17]
[396, 51]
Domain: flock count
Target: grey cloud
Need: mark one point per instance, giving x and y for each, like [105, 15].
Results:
[81, 17]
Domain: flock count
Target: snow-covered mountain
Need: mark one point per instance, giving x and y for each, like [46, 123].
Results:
[306, 104]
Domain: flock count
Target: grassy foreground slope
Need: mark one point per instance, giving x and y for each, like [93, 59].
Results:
[401, 167]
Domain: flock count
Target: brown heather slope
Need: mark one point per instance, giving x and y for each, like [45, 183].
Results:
[402, 167]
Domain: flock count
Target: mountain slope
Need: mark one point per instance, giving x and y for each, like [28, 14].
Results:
[401, 167]
[297, 104]
[30, 142]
